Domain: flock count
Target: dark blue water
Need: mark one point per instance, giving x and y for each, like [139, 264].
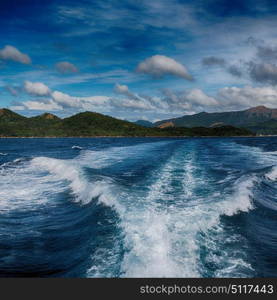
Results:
[145, 207]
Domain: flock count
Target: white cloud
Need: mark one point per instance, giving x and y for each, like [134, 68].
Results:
[59, 100]
[263, 72]
[12, 53]
[132, 104]
[185, 102]
[17, 107]
[124, 90]
[49, 105]
[197, 96]
[121, 89]
[64, 99]
[66, 67]
[133, 101]
[36, 88]
[159, 65]
[247, 96]
[189, 101]
[83, 103]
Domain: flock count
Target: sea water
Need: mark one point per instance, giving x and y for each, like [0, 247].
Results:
[138, 207]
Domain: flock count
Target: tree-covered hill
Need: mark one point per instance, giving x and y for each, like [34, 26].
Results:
[259, 119]
[90, 124]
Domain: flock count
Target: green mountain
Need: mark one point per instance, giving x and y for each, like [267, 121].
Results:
[260, 119]
[265, 128]
[10, 116]
[94, 124]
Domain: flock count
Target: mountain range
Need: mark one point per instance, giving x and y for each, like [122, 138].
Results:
[90, 124]
[260, 119]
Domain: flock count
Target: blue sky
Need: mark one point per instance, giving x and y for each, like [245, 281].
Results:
[137, 59]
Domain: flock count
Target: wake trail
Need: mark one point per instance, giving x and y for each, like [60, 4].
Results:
[161, 236]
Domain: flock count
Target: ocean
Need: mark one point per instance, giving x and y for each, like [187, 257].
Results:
[138, 207]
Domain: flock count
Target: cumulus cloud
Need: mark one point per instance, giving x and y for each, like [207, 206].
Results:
[159, 65]
[58, 100]
[232, 69]
[260, 68]
[12, 53]
[80, 103]
[48, 105]
[247, 96]
[61, 101]
[235, 71]
[267, 53]
[182, 102]
[36, 88]
[64, 99]
[213, 61]
[132, 101]
[124, 90]
[197, 96]
[66, 67]
[263, 72]
[132, 104]
[121, 89]
[189, 101]
[225, 99]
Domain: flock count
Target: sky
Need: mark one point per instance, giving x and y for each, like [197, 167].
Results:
[137, 59]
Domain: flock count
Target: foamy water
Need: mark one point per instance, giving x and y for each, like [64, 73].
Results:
[162, 209]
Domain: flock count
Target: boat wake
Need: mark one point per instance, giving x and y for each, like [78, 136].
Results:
[161, 209]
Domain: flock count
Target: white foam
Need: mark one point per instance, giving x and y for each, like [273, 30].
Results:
[162, 239]
[250, 153]
[271, 152]
[76, 147]
[22, 186]
[161, 227]
[241, 199]
[3, 154]
[70, 171]
[49, 175]
[272, 175]
[108, 157]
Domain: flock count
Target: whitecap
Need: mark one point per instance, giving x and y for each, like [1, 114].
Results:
[76, 147]
[272, 175]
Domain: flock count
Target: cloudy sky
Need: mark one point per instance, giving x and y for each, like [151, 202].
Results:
[137, 59]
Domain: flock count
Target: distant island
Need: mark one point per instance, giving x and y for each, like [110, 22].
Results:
[91, 124]
[260, 120]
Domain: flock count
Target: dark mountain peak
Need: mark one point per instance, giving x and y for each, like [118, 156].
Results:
[9, 115]
[85, 114]
[262, 111]
[5, 111]
[260, 108]
[202, 113]
[49, 116]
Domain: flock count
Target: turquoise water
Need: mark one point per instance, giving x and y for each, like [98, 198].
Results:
[138, 207]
